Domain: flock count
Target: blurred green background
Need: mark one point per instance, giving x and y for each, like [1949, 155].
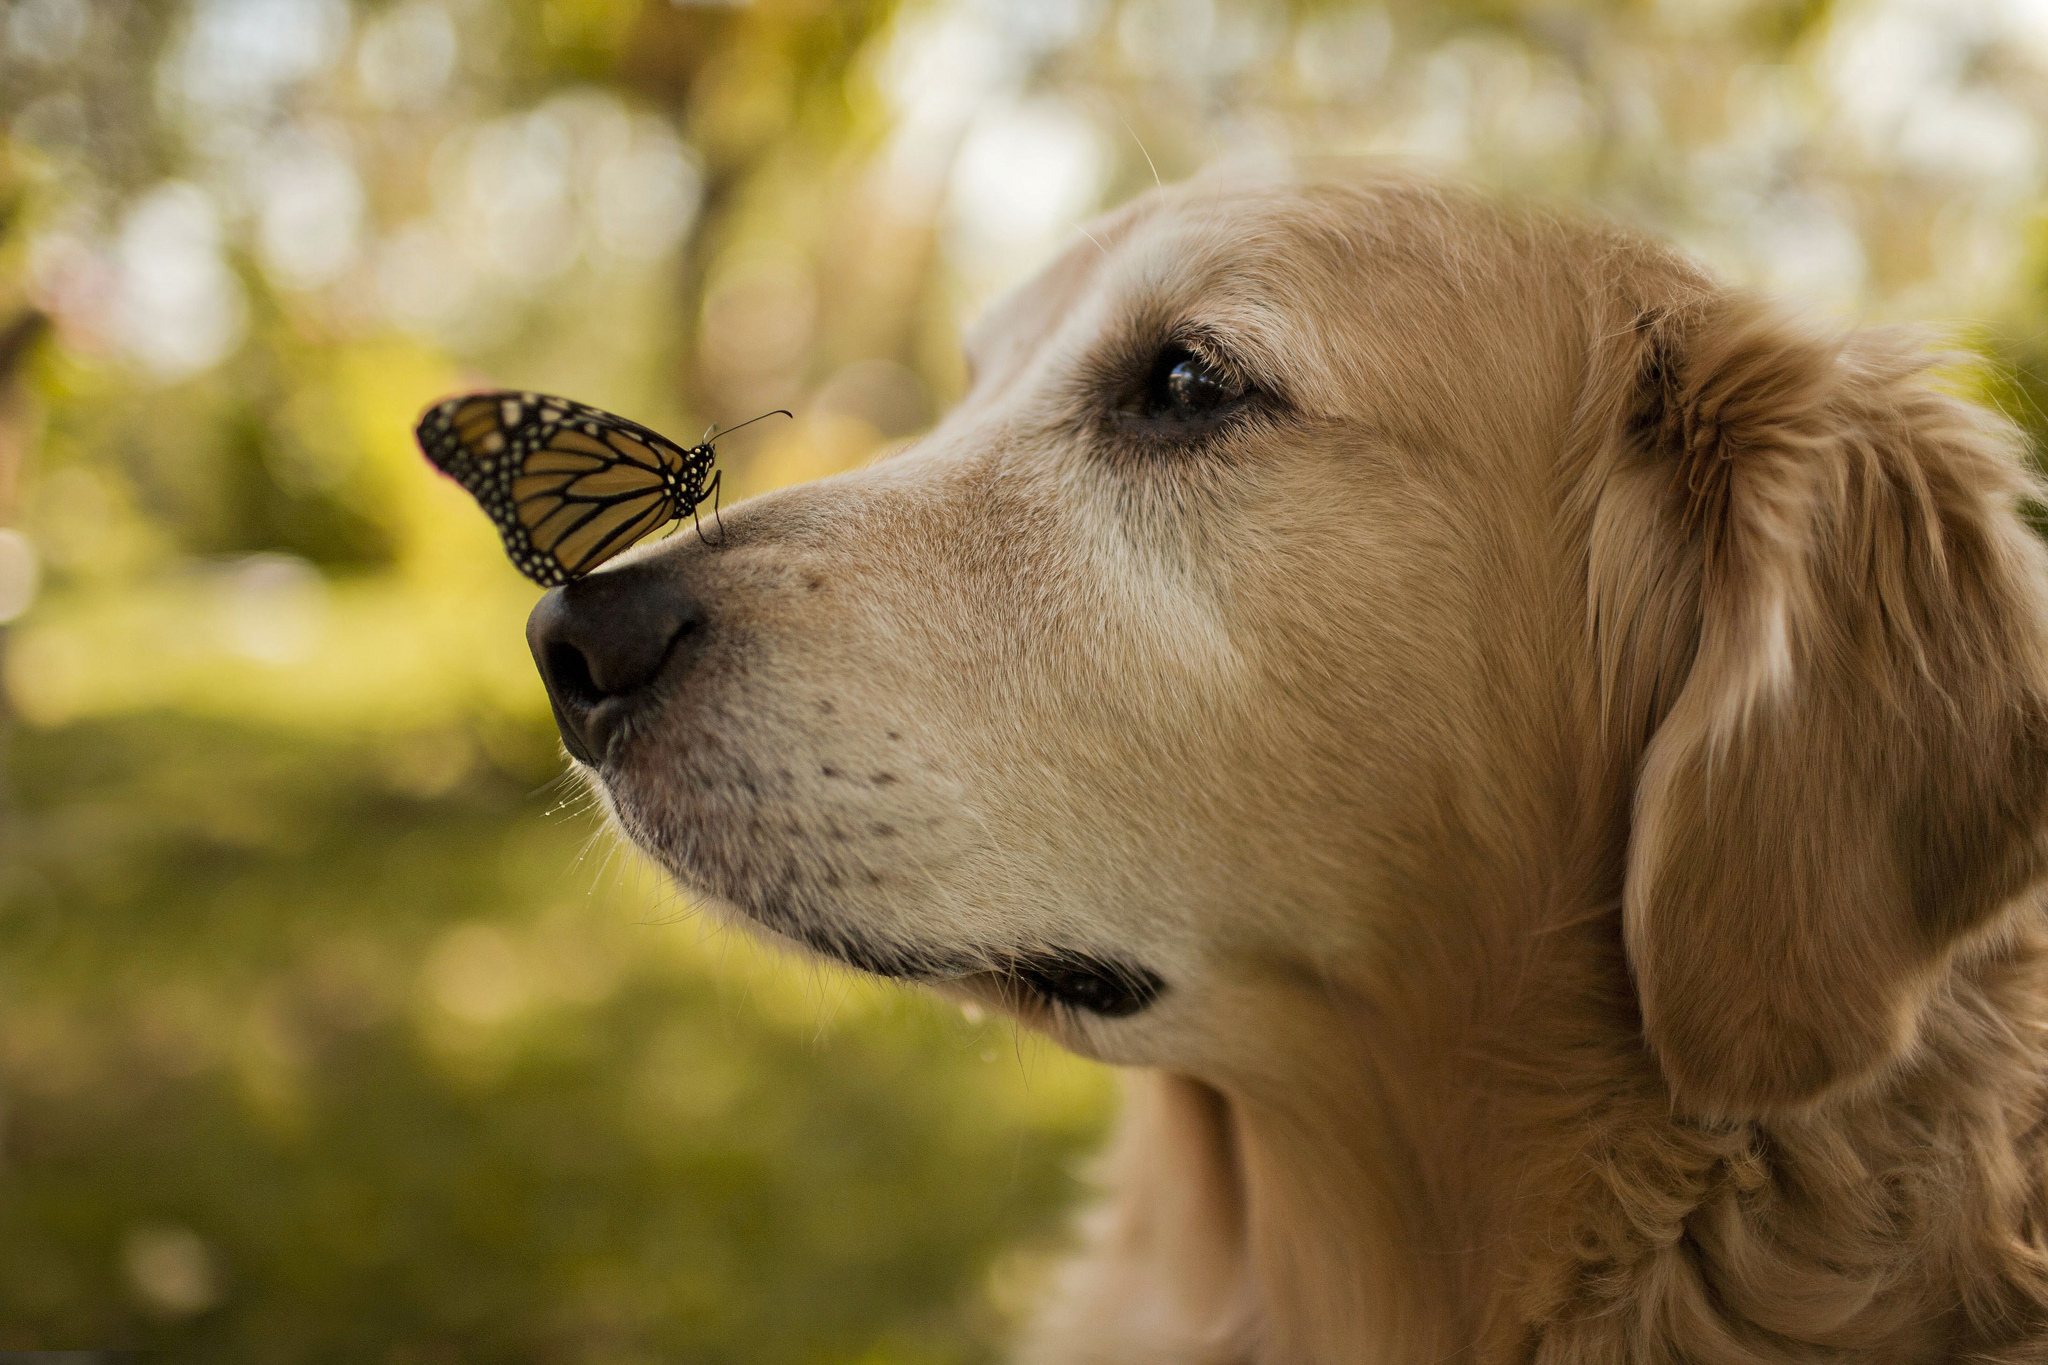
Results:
[333, 1027]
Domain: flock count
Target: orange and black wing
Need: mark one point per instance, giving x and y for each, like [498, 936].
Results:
[567, 485]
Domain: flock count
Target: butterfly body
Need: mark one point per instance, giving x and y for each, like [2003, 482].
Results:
[567, 485]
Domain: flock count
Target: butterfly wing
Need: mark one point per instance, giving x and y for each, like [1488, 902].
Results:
[567, 485]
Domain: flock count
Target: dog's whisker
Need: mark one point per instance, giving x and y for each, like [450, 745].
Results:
[1149, 164]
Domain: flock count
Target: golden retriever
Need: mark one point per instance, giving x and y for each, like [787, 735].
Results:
[1535, 760]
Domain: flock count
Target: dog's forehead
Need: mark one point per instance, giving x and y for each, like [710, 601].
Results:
[1232, 255]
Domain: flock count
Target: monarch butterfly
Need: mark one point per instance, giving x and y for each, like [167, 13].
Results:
[567, 485]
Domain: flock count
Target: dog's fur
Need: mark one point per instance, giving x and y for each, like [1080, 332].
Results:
[1575, 750]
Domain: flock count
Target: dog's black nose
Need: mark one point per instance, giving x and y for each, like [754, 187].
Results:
[600, 643]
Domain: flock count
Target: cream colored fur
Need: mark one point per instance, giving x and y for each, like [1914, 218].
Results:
[1577, 755]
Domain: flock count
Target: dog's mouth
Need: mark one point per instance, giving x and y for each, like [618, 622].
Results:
[1110, 988]
[1106, 987]
[1081, 981]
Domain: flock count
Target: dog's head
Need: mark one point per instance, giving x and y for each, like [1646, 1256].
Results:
[1314, 585]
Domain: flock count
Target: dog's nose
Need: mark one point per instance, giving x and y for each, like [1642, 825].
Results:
[600, 642]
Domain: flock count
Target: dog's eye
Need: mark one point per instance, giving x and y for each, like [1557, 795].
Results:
[1185, 387]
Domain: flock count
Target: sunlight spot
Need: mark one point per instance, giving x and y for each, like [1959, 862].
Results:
[271, 608]
[311, 210]
[240, 54]
[47, 670]
[1167, 38]
[1025, 177]
[476, 975]
[423, 280]
[180, 309]
[170, 1269]
[644, 196]
[407, 55]
[517, 176]
[19, 574]
[430, 763]
[936, 73]
[1342, 55]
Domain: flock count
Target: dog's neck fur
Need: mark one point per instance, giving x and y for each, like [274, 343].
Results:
[1435, 1191]
[1902, 1223]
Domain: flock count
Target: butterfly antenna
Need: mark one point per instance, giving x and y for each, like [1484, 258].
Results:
[779, 412]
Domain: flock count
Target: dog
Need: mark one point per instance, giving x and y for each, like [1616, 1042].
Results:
[1534, 760]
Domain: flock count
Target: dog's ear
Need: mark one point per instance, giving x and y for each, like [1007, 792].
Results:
[1817, 609]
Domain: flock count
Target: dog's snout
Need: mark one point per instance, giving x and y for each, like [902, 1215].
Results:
[601, 642]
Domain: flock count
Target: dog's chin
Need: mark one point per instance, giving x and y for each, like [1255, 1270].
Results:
[771, 893]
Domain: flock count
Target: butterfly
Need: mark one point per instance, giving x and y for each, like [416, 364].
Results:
[567, 485]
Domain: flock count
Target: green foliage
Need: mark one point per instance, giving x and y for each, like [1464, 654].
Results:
[401, 1087]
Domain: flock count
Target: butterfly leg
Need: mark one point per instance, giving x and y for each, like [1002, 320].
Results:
[712, 489]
